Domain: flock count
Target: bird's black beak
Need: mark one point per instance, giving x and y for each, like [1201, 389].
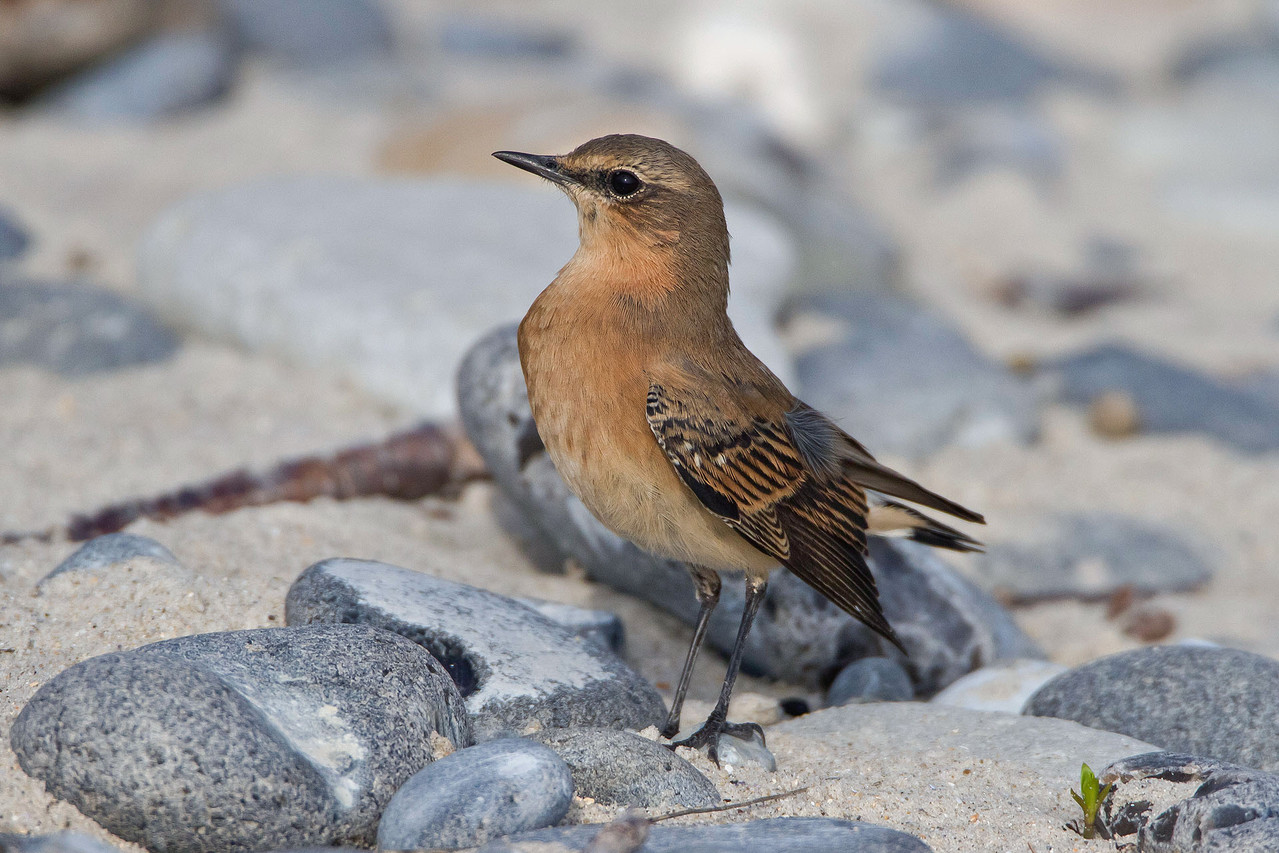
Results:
[543, 166]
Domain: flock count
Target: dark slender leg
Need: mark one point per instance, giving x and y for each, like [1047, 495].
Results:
[716, 724]
[708, 596]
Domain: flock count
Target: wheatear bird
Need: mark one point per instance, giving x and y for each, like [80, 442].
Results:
[670, 431]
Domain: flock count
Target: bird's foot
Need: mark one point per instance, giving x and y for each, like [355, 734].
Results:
[742, 737]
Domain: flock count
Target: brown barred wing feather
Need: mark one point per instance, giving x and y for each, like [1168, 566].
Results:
[746, 469]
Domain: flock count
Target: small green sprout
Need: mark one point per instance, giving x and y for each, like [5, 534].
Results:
[1090, 801]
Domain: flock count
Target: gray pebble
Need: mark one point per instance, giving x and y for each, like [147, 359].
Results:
[476, 794]
[112, 549]
[1169, 397]
[956, 58]
[255, 739]
[623, 769]
[871, 680]
[1003, 686]
[77, 330]
[1208, 701]
[169, 74]
[515, 667]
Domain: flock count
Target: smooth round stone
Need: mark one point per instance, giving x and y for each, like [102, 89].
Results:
[243, 740]
[1003, 686]
[871, 680]
[1214, 702]
[618, 768]
[488, 791]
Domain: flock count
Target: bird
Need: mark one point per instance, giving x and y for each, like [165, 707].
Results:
[672, 433]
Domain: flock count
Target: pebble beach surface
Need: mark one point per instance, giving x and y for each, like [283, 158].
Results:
[299, 244]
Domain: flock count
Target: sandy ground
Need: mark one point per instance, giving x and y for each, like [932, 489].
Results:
[73, 445]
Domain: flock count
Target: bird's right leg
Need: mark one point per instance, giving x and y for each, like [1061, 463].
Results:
[708, 584]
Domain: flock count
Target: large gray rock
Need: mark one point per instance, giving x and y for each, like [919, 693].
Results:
[76, 330]
[488, 791]
[243, 740]
[903, 381]
[271, 265]
[1224, 807]
[623, 769]
[1090, 556]
[517, 669]
[774, 835]
[166, 75]
[1209, 701]
[947, 624]
[1169, 397]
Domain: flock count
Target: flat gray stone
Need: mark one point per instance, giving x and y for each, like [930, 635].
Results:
[904, 381]
[240, 741]
[169, 74]
[270, 265]
[948, 625]
[871, 680]
[1224, 807]
[516, 668]
[1169, 397]
[112, 549]
[623, 769]
[77, 330]
[1091, 556]
[1209, 701]
[1003, 686]
[953, 57]
[487, 791]
[773, 835]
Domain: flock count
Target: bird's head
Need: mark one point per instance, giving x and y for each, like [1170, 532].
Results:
[634, 193]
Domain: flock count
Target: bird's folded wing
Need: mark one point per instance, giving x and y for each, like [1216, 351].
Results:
[745, 468]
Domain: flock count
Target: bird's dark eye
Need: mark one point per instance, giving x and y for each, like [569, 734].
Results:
[623, 183]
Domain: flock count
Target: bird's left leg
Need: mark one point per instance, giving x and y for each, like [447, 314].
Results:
[717, 723]
[707, 583]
